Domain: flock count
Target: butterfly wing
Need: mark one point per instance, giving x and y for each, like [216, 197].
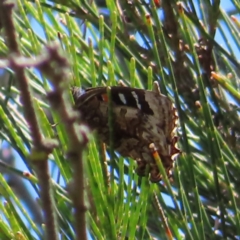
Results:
[138, 118]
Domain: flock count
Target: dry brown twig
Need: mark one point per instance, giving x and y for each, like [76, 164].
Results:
[54, 65]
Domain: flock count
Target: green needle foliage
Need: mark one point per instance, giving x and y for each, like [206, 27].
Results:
[191, 49]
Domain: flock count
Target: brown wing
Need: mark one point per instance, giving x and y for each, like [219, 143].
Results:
[139, 118]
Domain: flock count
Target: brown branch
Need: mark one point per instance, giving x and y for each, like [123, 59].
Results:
[54, 65]
[41, 148]
[77, 134]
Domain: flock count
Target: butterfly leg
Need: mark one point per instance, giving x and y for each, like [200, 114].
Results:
[141, 169]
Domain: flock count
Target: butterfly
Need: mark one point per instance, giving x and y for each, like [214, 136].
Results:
[135, 119]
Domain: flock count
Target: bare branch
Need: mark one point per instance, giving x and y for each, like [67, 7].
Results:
[41, 148]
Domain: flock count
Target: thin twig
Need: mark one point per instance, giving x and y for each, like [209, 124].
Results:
[41, 148]
[77, 134]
